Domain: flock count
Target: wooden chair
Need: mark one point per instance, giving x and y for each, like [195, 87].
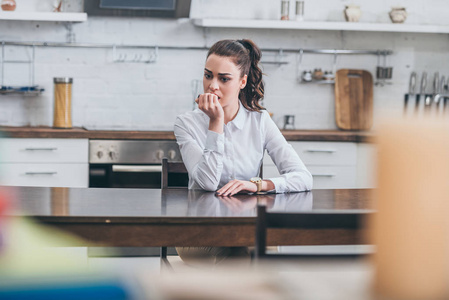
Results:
[302, 220]
[176, 172]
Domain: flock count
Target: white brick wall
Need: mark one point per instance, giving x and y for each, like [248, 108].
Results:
[149, 96]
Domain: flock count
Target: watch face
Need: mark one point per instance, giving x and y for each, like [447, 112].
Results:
[255, 179]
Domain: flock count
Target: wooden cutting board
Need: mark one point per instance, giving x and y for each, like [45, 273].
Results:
[353, 99]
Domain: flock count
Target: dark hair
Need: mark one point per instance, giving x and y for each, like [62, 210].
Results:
[246, 56]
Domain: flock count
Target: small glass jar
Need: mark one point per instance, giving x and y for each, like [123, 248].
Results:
[62, 117]
[285, 9]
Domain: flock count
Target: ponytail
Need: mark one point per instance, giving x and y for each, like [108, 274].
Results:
[247, 57]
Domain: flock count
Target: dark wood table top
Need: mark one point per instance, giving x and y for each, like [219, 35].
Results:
[77, 132]
[174, 217]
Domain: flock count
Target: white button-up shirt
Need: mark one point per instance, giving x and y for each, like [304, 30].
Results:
[214, 159]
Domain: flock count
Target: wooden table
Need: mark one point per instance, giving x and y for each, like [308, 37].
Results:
[179, 217]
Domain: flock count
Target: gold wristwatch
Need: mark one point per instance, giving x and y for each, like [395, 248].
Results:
[258, 182]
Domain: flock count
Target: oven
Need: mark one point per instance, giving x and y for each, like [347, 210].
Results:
[130, 163]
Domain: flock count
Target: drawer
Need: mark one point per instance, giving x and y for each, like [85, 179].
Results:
[44, 150]
[326, 153]
[324, 177]
[50, 175]
[333, 177]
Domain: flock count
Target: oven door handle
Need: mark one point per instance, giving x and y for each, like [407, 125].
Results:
[134, 169]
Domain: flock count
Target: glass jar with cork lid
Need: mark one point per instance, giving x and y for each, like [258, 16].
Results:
[62, 117]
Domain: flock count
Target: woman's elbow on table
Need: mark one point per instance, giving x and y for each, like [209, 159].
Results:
[308, 181]
[207, 184]
[304, 182]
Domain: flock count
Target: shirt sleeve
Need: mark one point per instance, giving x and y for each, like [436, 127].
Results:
[294, 176]
[204, 165]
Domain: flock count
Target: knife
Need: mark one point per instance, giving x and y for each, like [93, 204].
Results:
[422, 90]
[429, 97]
[441, 89]
[446, 91]
[411, 90]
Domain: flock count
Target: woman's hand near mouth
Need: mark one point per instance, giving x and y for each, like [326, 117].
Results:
[210, 105]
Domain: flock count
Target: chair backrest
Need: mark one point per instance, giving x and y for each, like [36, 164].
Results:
[176, 172]
[306, 221]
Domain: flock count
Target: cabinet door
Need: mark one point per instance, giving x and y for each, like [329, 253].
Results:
[51, 175]
[326, 153]
[324, 177]
[333, 177]
[332, 164]
[44, 150]
[366, 165]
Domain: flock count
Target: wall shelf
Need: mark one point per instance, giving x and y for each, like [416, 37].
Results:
[43, 16]
[347, 26]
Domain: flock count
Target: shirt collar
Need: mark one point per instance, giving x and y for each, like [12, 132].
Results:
[240, 118]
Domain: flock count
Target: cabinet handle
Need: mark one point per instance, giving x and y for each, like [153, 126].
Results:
[321, 150]
[323, 175]
[41, 173]
[128, 168]
[41, 149]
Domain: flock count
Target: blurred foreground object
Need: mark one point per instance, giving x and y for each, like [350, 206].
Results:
[411, 228]
[34, 264]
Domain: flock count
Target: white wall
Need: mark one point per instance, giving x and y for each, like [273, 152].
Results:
[149, 96]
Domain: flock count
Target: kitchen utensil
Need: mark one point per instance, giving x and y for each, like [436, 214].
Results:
[422, 91]
[411, 90]
[379, 68]
[441, 90]
[388, 72]
[353, 99]
[446, 91]
[307, 76]
[289, 122]
[63, 102]
[429, 97]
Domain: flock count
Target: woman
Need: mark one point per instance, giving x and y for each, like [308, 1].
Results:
[223, 141]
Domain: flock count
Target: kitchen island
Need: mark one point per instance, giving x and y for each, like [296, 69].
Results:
[179, 217]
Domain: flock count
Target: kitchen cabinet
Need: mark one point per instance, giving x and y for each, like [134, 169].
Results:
[44, 162]
[366, 165]
[333, 164]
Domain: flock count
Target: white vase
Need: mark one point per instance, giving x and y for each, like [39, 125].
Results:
[398, 14]
[352, 13]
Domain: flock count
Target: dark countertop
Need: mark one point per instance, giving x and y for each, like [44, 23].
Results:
[178, 203]
[77, 133]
